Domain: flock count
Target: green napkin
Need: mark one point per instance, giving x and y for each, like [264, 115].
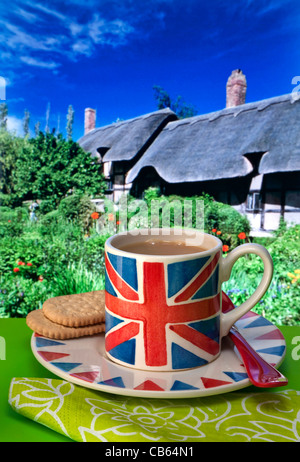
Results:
[91, 416]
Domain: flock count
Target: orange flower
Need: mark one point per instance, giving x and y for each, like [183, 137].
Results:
[29, 264]
[242, 236]
[219, 232]
[15, 270]
[21, 263]
[225, 248]
[95, 215]
[110, 217]
[118, 222]
[214, 230]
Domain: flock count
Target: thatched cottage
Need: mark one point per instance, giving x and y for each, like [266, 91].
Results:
[117, 147]
[246, 155]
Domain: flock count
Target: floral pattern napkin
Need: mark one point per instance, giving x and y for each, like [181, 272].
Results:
[86, 415]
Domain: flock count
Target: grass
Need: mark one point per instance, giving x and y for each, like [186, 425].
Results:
[76, 279]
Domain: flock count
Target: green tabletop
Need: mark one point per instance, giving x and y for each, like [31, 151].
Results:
[17, 360]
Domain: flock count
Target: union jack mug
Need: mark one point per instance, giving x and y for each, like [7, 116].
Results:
[164, 312]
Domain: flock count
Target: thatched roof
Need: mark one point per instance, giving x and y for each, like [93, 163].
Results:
[213, 146]
[123, 140]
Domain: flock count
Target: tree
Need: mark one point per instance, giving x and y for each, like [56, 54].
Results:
[37, 128]
[58, 125]
[3, 116]
[52, 166]
[70, 120]
[26, 121]
[161, 97]
[10, 147]
[47, 128]
[179, 106]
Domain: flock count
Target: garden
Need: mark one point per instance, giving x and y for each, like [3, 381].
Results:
[62, 252]
[52, 237]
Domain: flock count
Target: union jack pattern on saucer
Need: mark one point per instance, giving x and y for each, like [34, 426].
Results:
[83, 361]
[171, 313]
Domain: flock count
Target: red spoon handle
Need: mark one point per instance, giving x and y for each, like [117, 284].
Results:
[261, 373]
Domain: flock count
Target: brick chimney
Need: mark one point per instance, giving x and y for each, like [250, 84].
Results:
[89, 120]
[236, 89]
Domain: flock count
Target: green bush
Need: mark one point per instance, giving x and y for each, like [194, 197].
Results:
[10, 200]
[285, 250]
[46, 258]
[48, 167]
[46, 206]
[93, 257]
[8, 214]
[20, 296]
[227, 221]
[281, 303]
[77, 209]
[50, 219]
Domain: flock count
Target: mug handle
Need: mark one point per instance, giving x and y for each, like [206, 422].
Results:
[228, 319]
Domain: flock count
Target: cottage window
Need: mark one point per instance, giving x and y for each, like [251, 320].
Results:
[109, 186]
[253, 202]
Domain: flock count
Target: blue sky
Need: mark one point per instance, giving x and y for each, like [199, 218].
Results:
[109, 54]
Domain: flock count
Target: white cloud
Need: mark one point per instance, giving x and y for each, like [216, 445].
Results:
[75, 28]
[48, 11]
[108, 32]
[17, 39]
[83, 47]
[27, 16]
[56, 35]
[15, 125]
[39, 63]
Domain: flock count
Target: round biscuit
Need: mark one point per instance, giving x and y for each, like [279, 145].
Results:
[41, 325]
[76, 310]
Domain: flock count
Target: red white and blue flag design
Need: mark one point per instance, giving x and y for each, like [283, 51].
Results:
[168, 317]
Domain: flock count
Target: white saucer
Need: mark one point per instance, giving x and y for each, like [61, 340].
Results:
[83, 361]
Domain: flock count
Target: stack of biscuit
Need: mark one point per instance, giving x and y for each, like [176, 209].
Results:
[69, 316]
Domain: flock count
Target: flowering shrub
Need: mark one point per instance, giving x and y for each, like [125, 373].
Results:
[78, 209]
[220, 219]
[47, 260]
[18, 296]
[55, 256]
[281, 303]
